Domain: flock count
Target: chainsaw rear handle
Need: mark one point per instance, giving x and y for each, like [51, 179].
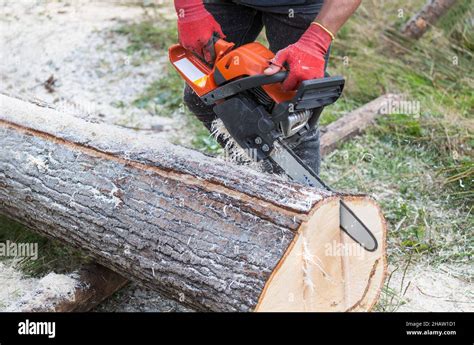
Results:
[211, 48]
[237, 86]
[216, 47]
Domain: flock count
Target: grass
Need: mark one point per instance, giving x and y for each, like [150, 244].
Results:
[201, 140]
[378, 60]
[434, 71]
[423, 219]
[52, 255]
[155, 33]
[419, 165]
[163, 96]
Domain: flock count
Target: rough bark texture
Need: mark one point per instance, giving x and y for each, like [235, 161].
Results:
[429, 15]
[354, 123]
[339, 131]
[193, 227]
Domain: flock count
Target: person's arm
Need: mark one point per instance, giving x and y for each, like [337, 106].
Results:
[335, 13]
[305, 58]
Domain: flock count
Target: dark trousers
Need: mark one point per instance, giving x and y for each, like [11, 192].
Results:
[242, 25]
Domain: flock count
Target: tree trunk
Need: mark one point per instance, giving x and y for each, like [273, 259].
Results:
[429, 15]
[213, 235]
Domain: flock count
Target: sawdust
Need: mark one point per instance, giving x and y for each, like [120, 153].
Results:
[233, 152]
[134, 298]
[447, 288]
[68, 55]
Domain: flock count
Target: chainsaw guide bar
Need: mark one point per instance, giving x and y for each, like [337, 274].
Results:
[298, 171]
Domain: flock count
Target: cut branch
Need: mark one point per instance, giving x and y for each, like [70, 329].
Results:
[355, 122]
[428, 15]
[214, 235]
[98, 282]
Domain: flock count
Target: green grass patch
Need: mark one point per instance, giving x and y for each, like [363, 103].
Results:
[156, 34]
[201, 138]
[424, 219]
[375, 59]
[163, 96]
[52, 255]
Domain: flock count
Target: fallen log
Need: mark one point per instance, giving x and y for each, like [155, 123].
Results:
[427, 16]
[97, 282]
[210, 234]
[355, 122]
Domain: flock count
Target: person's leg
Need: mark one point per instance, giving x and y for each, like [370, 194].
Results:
[241, 25]
[283, 30]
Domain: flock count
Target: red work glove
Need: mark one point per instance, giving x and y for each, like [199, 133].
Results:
[305, 58]
[196, 26]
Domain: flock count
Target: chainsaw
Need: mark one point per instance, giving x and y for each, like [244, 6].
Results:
[260, 116]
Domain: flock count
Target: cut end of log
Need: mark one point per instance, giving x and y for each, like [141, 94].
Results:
[325, 270]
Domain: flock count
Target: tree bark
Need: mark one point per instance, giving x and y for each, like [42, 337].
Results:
[355, 122]
[213, 235]
[428, 15]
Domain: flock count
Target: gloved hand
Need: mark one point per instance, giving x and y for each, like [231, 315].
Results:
[305, 58]
[196, 26]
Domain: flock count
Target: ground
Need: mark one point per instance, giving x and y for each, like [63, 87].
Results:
[70, 56]
[106, 61]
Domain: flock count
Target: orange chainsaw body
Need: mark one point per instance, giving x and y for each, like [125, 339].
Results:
[230, 64]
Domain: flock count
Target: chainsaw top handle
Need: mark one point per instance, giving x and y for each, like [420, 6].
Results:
[240, 85]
